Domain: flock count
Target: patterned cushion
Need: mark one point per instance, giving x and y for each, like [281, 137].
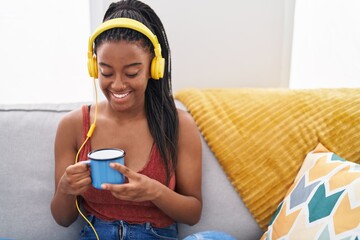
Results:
[322, 203]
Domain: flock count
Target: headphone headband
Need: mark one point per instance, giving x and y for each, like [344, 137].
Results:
[158, 63]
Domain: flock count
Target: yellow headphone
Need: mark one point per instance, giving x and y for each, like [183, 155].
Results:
[158, 62]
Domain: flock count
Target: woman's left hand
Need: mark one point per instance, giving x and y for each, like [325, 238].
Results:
[139, 187]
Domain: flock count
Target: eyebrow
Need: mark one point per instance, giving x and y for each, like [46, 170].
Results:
[129, 65]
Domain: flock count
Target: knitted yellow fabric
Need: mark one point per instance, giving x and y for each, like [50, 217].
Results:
[261, 136]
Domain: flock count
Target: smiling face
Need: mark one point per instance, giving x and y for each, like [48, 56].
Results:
[124, 70]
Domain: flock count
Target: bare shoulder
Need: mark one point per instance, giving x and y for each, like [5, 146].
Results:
[71, 119]
[186, 120]
[188, 129]
[70, 128]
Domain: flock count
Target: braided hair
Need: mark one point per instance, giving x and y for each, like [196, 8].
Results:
[160, 107]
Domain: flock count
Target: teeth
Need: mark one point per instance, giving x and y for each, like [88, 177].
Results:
[120, 95]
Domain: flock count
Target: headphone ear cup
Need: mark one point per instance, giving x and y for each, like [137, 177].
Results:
[157, 68]
[92, 67]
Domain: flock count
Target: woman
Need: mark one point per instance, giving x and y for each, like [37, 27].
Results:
[130, 55]
[162, 144]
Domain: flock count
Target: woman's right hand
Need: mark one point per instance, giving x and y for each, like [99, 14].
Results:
[75, 180]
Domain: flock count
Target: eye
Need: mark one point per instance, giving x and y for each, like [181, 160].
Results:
[106, 74]
[131, 75]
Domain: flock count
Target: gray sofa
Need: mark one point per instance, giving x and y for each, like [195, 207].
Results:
[27, 182]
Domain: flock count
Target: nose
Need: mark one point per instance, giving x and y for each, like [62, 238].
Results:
[118, 83]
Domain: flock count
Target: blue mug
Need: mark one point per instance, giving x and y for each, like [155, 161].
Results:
[101, 172]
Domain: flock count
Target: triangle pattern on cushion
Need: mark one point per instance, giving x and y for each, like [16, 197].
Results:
[343, 178]
[325, 234]
[321, 205]
[326, 167]
[301, 192]
[337, 158]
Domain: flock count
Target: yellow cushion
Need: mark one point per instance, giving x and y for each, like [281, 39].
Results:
[261, 136]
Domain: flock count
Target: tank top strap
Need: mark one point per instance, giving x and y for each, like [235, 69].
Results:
[86, 126]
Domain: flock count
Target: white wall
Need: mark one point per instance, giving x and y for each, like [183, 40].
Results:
[43, 47]
[326, 46]
[214, 44]
[228, 43]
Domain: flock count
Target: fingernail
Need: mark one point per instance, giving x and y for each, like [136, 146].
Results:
[103, 186]
[112, 164]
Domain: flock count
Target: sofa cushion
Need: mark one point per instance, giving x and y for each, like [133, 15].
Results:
[260, 136]
[27, 172]
[223, 209]
[322, 203]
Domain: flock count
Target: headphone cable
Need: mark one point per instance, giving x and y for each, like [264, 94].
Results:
[88, 136]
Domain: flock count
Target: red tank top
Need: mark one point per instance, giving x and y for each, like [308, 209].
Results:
[102, 204]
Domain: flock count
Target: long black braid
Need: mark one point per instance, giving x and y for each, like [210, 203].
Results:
[160, 107]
